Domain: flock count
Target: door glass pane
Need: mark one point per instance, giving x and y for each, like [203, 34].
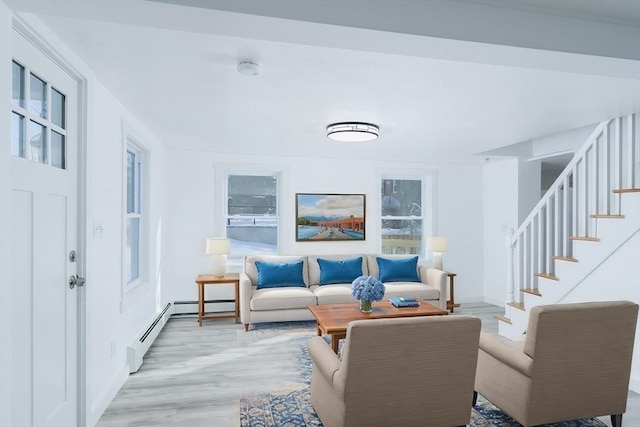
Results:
[37, 147]
[17, 135]
[38, 97]
[131, 185]
[17, 83]
[57, 108]
[132, 250]
[57, 150]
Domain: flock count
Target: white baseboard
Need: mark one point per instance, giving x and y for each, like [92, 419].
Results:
[191, 307]
[634, 384]
[104, 400]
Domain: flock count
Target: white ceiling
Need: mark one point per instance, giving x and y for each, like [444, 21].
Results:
[435, 95]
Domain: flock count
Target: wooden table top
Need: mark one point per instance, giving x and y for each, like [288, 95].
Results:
[335, 317]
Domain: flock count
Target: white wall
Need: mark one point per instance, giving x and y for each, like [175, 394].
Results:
[500, 212]
[570, 140]
[114, 321]
[529, 184]
[193, 213]
[617, 278]
[110, 325]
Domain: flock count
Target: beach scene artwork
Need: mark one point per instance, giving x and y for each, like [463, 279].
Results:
[330, 217]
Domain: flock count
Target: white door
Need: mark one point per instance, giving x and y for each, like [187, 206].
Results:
[44, 231]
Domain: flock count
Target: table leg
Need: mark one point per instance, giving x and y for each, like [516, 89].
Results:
[200, 303]
[334, 343]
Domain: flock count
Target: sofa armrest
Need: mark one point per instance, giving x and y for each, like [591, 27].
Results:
[510, 354]
[245, 298]
[325, 360]
[437, 279]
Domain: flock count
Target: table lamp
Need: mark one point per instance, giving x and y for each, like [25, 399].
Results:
[218, 248]
[437, 245]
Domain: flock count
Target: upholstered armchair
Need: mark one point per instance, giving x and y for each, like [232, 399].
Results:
[397, 372]
[575, 362]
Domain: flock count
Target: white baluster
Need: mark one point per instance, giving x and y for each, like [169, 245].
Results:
[631, 156]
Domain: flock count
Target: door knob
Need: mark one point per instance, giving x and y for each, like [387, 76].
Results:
[76, 281]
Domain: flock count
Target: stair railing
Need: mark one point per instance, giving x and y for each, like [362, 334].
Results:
[608, 160]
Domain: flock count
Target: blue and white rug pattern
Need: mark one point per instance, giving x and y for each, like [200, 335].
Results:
[292, 408]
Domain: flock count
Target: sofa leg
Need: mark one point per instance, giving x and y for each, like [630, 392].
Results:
[246, 327]
[475, 398]
[616, 420]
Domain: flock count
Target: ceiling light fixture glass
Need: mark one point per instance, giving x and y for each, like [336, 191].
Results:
[352, 131]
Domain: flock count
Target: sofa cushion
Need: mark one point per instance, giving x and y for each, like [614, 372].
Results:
[282, 298]
[314, 267]
[333, 294]
[398, 270]
[279, 274]
[344, 271]
[415, 289]
[251, 270]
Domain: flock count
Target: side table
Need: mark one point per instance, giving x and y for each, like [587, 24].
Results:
[451, 304]
[208, 279]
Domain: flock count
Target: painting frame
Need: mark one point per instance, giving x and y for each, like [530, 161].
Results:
[330, 217]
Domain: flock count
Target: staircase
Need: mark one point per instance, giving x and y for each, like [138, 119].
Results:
[585, 225]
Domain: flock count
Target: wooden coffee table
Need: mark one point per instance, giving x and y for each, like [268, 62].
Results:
[333, 318]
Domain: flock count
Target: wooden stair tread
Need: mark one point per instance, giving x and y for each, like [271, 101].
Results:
[564, 258]
[585, 239]
[547, 276]
[518, 305]
[602, 216]
[532, 292]
[627, 190]
[502, 318]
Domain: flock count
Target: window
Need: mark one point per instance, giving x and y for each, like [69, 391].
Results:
[38, 128]
[135, 213]
[404, 221]
[252, 214]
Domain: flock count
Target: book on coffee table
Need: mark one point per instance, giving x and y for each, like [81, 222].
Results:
[404, 302]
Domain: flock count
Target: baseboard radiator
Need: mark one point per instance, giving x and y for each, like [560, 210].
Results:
[137, 350]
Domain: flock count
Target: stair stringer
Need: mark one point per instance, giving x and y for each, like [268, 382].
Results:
[614, 234]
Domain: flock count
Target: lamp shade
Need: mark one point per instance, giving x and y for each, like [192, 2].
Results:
[217, 246]
[437, 244]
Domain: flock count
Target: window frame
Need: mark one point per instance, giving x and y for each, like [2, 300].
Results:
[132, 145]
[428, 179]
[238, 257]
[221, 188]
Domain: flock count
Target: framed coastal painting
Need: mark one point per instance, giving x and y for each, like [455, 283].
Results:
[330, 217]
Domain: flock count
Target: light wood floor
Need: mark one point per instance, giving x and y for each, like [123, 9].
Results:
[194, 376]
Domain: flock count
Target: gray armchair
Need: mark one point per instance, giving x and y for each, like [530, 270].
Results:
[575, 362]
[397, 372]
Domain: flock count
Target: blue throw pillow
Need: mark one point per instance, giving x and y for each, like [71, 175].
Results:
[279, 274]
[398, 270]
[344, 271]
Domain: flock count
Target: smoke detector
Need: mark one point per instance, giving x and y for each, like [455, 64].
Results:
[248, 68]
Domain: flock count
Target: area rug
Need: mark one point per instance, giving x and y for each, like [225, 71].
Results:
[292, 407]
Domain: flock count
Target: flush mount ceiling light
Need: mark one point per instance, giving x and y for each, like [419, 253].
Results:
[352, 131]
[248, 68]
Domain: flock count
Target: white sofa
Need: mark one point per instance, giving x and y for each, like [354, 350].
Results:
[279, 304]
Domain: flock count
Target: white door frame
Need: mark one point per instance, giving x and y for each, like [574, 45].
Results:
[28, 30]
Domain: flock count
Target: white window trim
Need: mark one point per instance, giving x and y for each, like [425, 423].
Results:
[429, 178]
[222, 171]
[131, 140]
